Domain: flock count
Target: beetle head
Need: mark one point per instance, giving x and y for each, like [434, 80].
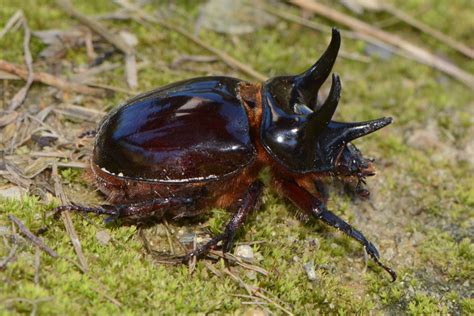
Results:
[298, 132]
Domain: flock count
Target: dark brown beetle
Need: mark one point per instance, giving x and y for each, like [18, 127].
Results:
[201, 143]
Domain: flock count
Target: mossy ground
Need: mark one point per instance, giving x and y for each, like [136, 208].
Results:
[420, 213]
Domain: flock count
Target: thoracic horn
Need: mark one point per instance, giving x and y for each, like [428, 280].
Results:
[318, 121]
[307, 84]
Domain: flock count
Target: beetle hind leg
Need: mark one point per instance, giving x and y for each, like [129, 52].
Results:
[316, 208]
[248, 203]
[133, 211]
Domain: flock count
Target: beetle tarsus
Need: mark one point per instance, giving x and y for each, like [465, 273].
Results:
[247, 205]
[313, 206]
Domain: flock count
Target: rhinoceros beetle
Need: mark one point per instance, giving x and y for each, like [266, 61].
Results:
[201, 143]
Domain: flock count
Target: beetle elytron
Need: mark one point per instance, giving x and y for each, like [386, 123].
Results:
[201, 143]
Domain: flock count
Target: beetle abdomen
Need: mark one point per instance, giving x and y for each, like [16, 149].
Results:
[194, 130]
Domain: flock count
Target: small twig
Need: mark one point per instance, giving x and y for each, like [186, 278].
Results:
[168, 237]
[4, 262]
[211, 268]
[194, 58]
[255, 291]
[117, 41]
[449, 41]
[141, 17]
[34, 239]
[37, 265]
[233, 259]
[131, 70]
[85, 76]
[20, 96]
[110, 88]
[12, 21]
[193, 261]
[96, 26]
[72, 164]
[67, 219]
[419, 54]
[48, 79]
[321, 28]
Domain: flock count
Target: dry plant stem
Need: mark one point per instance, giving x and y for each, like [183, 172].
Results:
[96, 27]
[49, 80]
[255, 292]
[67, 219]
[32, 237]
[111, 88]
[449, 41]
[9, 257]
[12, 21]
[419, 54]
[233, 259]
[230, 61]
[117, 41]
[37, 265]
[20, 96]
[324, 29]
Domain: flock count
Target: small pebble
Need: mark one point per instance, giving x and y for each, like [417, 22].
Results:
[13, 192]
[5, 230]
[244, 252]
[187, 238]
[310, 272]
[103, 237]
[251, 274]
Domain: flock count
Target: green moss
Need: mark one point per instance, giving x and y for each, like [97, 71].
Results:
[420, 210]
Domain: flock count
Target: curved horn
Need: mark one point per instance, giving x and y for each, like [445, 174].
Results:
[307, 84]
[318, 121]
[356, 130]
[337, 134]
[326, 111]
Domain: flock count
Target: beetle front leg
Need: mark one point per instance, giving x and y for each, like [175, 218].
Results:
[313, 206]
[144, 209]
[248, 203]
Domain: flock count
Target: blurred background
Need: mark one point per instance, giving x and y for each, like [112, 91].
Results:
[64, 64]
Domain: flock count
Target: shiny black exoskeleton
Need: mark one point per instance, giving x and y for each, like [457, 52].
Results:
[201, 143]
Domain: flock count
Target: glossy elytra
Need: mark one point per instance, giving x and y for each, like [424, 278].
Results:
[201, 143]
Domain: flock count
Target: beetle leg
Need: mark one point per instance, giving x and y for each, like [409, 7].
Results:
[143, 209]
[248, 203]
[313, 206]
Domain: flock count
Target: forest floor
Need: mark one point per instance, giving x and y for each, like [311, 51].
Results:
[420, 213]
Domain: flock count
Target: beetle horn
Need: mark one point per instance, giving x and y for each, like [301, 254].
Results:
[356, 130]
[324, 114]
[319, 120]
[307, 84]
[337, 133]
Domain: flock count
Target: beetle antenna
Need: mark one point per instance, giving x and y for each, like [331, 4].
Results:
[307, 84]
